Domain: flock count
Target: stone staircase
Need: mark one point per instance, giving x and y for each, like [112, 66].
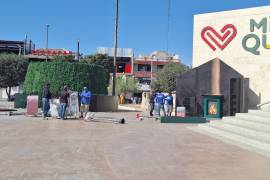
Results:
[247, 130]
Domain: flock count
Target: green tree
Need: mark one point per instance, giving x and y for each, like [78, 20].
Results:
[166, 78]
[13, 69]
[125, 84]
[63, 58]
[98, 59]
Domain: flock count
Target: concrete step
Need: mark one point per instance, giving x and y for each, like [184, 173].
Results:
[251, 133]
[259, 113]
[232, 138]
[251, 117]
[247, 124]
[266, 109]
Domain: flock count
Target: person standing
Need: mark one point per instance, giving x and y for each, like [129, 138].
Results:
[152, 102]
[46, 96]
[64, 101]
[160, 103]
[169, 104]
[85, 101]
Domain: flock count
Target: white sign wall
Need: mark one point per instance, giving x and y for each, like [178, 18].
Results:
[240, 38]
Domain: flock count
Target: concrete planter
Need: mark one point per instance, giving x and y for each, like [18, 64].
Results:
[104, 103]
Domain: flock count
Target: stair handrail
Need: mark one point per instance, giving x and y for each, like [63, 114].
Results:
[262, 104]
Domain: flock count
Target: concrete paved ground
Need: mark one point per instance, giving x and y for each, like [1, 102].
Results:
[31, 148]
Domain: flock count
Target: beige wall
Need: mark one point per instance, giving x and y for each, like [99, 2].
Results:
[254, 67]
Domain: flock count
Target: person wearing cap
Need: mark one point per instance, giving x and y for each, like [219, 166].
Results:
[64, 101]
[169, 104]
[85, 96]
[46, 96]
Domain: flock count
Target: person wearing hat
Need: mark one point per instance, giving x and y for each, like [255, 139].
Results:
[85, 101]
[64, 101]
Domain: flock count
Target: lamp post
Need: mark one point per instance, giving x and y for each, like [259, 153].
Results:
[47, 40]
[115, 48]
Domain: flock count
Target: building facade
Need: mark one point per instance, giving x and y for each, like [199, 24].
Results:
[16, 47]
[240, 38]
[124, 60]
[147, 67]
[144, 67]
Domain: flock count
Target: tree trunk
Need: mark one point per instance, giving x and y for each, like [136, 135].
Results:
[8, 91]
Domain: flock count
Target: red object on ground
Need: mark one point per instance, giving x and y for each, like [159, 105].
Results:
[32, 106]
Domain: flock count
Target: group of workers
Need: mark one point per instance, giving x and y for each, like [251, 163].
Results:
[158, 101]
[85, 99]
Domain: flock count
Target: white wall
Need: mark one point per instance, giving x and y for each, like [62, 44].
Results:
[254, 67]
[3, 94]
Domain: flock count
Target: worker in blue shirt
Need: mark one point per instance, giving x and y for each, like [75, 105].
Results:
[160, 103]
[169, 104]
[85, 101]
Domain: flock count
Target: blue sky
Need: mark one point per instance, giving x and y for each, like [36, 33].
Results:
[142, 23]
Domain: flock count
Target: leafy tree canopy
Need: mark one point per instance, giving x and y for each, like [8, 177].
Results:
[125, 84]
[13, 69]
[166, 78]
[98, 59]
[63, 58]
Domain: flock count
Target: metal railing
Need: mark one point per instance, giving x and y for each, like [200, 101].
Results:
[262, 104]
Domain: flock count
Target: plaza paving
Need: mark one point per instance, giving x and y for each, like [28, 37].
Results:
[31, 148]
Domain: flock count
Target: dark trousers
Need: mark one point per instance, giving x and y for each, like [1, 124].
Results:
[45, 106]
[152, 107]
[63, 110]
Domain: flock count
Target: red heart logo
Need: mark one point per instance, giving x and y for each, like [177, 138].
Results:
[212, 37]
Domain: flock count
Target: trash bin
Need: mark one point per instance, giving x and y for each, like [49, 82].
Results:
[20, 100]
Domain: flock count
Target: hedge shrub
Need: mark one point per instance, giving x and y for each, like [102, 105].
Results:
[74, 75]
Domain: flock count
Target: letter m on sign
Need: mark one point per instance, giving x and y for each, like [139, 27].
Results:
[262, 23]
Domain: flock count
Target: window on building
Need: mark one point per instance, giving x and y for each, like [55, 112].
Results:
[121, 67]
[160, 67]
[144, 67]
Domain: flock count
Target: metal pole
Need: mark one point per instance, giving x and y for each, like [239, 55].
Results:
[78, 49]
[25, 43]
[115, 48]
[47, 41]
[168, 27]
[20, 49]
[151, 70]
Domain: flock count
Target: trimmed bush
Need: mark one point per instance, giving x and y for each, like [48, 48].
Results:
[74, 75]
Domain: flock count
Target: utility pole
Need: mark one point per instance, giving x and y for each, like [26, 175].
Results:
[115, 48]
[168, 28]
[47, 41]
[78, 49]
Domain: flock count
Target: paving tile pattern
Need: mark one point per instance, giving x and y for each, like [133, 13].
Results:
[31, 148]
